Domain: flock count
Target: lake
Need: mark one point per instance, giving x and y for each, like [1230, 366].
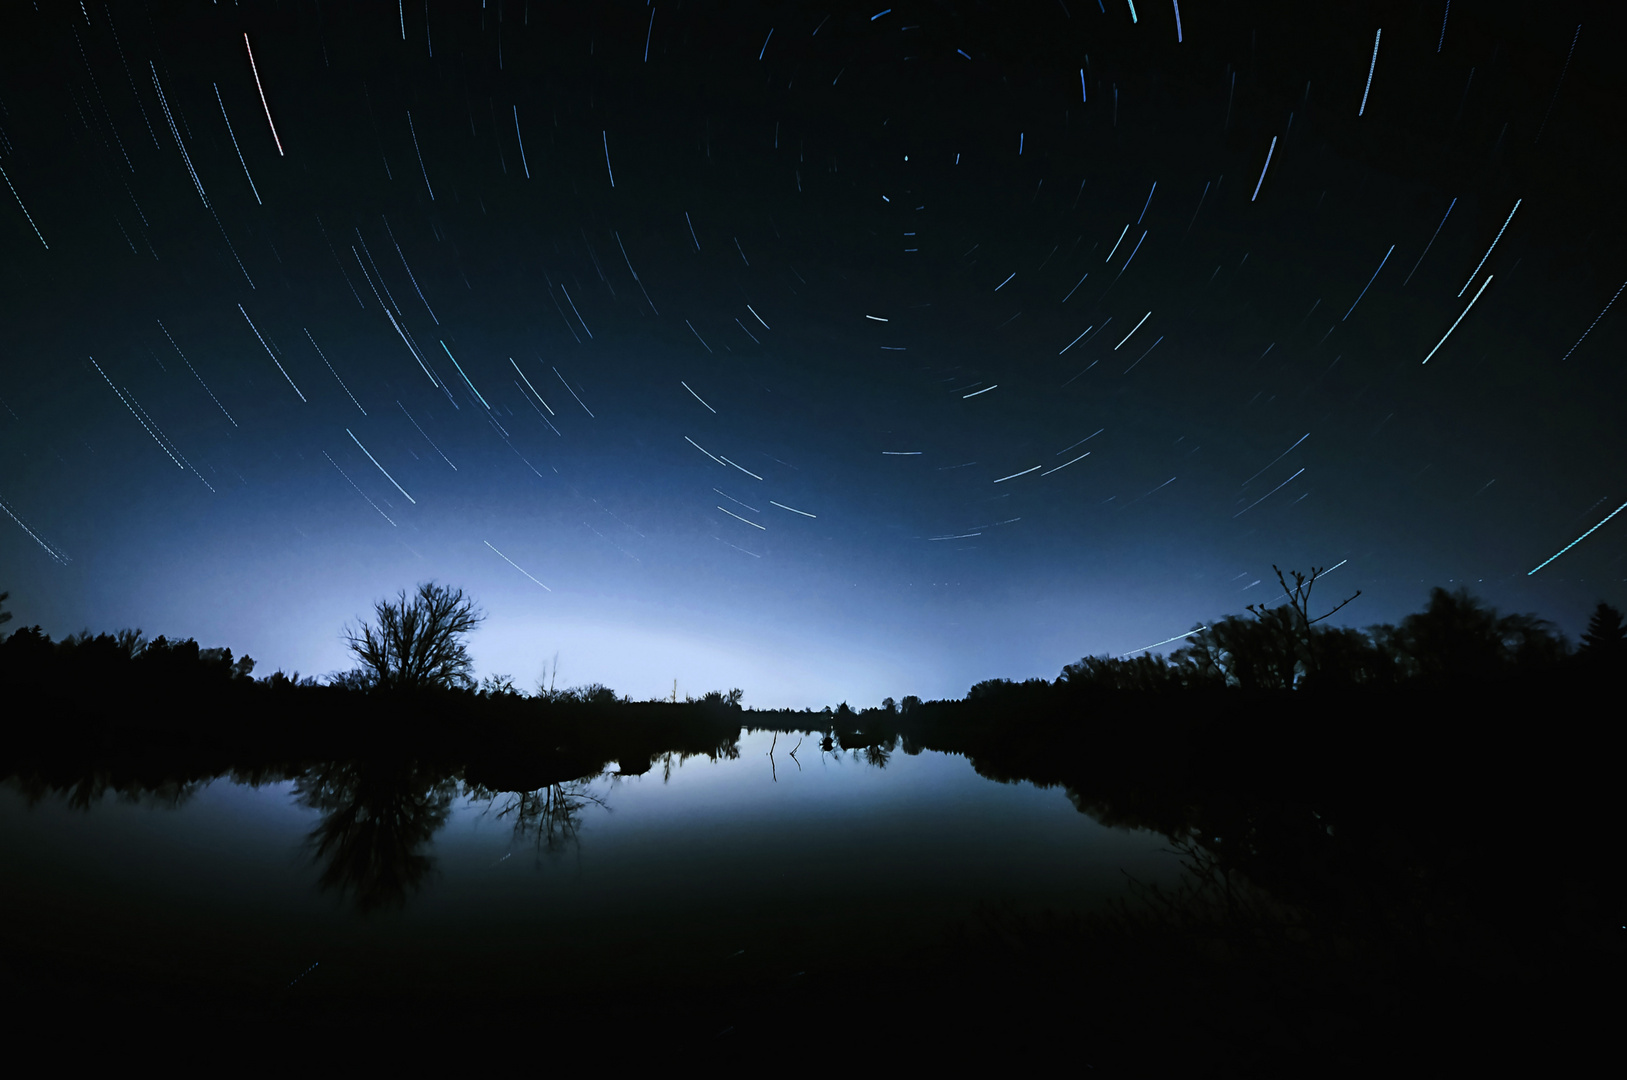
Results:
[698, 871]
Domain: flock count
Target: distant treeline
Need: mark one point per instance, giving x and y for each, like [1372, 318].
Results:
[1454, 641]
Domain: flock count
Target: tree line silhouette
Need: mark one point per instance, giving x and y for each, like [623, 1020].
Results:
[1379, 820]
[417, 645]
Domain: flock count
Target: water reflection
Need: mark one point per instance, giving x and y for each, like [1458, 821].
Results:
[377, 819]
[88, 789]
[550, 816]
[1305, 874]
[878, 753]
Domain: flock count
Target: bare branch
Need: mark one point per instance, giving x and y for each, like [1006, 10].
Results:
[1352, 597]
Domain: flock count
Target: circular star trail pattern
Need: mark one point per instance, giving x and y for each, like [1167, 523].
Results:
[830, 352]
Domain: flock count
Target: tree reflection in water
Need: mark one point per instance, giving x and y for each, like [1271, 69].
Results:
[725, 750]
[550, 815]
[87, 790]
[878, 753]
[377, 817]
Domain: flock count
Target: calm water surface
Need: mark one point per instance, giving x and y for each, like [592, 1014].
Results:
[695, 868]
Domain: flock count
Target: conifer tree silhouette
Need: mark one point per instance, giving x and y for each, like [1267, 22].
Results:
[1604, 642]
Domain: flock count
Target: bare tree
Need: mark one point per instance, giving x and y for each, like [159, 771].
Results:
[1299, 597]
[418, 642]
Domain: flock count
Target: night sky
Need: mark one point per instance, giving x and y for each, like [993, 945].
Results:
[827, 352]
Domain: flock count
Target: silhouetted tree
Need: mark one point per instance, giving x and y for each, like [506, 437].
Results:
[354, 679]
[1604, 643]
[127, 644]
[1299, 604]
[1009, 693]
[417, 643]
[1280, 649]
[1263, 653]
[1143, 672]
[238, 669]
[1349, 657]
[1456, 637]
[1198, 663]
[5, 616]
[1532, 644]
[591, 694]
[178, 663]
[498, 686]
[280, 682]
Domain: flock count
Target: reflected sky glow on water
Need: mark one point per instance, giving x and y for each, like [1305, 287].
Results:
[658, 875]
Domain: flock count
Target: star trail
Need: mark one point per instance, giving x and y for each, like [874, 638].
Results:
[825, 441]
